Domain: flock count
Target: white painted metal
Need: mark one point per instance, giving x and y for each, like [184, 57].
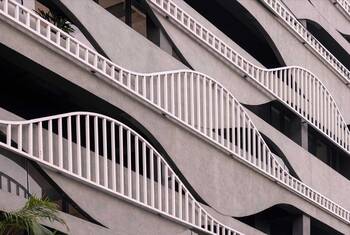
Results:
[262, 161]
[131, 153]
[343, 6]
[291, 79]
[291, 22]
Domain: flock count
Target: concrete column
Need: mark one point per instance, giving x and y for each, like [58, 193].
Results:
[302, 225]
[304, 135]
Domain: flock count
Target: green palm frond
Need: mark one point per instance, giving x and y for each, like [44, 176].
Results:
[59, 20]
[27, 219]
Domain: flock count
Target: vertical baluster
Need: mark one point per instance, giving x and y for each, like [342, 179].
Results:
[151, 163]
[27, 20]
[159, 178]
[16, 12]
[275, 81]
[128, 82]
[222, 124]
[264, 160]
[244, 143]
[6, 6]
[37, 29]
[254, 137]
[151, 92]
[165, 92]
[292, 88]
[121, 160]
[210, 113]
[180, 200]
[40, 141]
[216, 111]
[279, 77]
[185, 98]
[318, 104]
[114, 162]
[58, 36]
[105, 157]
[120, 76]
[192, 108]
[179, 92]
[77, 53]
[144, 168]
[199, 217]
[60, 144]
[87, 153]
[233, 125]
[166, 188]
[20, 137]
[186, 207]
[314, 100]
[128, 153]
[204, 105]
[97, 157]
[238, 113]
[198, 91]
[249, 157]
[78, 144]
[173, 200]
[159, 101]
[193, 211]
[285, 84]
[172, 94]
[8, 134]
[69, 139]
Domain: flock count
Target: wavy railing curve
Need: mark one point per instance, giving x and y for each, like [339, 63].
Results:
[298, 29]
[191, 99]
[108, 155]
[297, 88]
[343, 6]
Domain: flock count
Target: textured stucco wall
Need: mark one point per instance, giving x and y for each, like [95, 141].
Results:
[228, 185]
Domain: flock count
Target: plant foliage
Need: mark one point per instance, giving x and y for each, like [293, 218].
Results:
[27, 219]
[59, 20]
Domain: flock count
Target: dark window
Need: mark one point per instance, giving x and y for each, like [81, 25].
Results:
[238, 24]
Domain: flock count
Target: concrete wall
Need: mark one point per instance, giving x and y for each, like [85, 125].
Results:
[203, 60]
[10, 168]
[122, 44]
[295, 53]
[326, 14]
[10, 202]
[228, 186]
[310, 169]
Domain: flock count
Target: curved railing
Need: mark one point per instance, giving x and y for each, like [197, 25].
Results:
[191, 99]
[108, 155]
[308, 39]
[297, 88]
[10, 185]
[344, 7]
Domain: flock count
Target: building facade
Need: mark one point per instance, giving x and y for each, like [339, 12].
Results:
[178, 116]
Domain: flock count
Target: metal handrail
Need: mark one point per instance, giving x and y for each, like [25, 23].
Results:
[191, 99]
[104, 153]
[295, 87]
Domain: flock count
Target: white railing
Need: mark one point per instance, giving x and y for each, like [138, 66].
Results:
[308, 39]
[108, 155]
[344, 6]
[297, 88]
[191, 99]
